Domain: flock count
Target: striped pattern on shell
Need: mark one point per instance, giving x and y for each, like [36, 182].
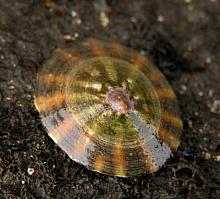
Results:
[108, 108]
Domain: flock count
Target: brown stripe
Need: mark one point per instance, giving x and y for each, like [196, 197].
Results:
[100, 50]
[172, 119]
[138, 61]
[155, 75]
[48, 102]
[67, 56]
[96, 48]
[63, 130]
[172, 140]
[119, 161]
[116, 48]
[165, 93]
[99, 163]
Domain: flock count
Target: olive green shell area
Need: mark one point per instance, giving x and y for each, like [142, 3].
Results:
[72, 99]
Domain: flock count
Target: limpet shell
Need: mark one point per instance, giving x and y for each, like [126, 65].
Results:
[109, 108]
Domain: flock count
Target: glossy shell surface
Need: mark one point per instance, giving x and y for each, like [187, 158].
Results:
[108, 108]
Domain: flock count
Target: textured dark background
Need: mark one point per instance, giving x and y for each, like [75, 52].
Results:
[181, 37]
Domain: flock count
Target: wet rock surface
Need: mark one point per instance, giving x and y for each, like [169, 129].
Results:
[180, 37]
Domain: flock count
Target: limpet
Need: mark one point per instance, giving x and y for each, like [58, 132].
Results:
[109, 108]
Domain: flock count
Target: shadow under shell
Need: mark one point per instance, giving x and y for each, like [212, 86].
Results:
[108, 108]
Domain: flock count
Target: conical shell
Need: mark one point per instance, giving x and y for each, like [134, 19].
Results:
[108, 108]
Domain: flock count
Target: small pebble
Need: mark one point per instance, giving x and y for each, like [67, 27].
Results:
[104, 19]
[30, 171]
[208, 60]
[133, 20]
[210, 93]
[73, 13]
[190, 123]
[78, 21]
[215, 107]
[183, 89]
[8, 98]
[160, 18]
[217, 158]
[207, 155]
[11, 87]
[76, 35]
[200, 93]
[188, 1]
[67, 37]
[70, 37]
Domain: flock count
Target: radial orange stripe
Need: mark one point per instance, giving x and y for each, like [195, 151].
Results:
[81, 146]
[172, 140]
[138, 61]
[165, 93]
[48, 102]
[99, 163]
[116, 48]
[155, 75]
[49, 79]
[67, 55]
[172, 119]
[63, 130]
[119, 161]
[96, 48]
